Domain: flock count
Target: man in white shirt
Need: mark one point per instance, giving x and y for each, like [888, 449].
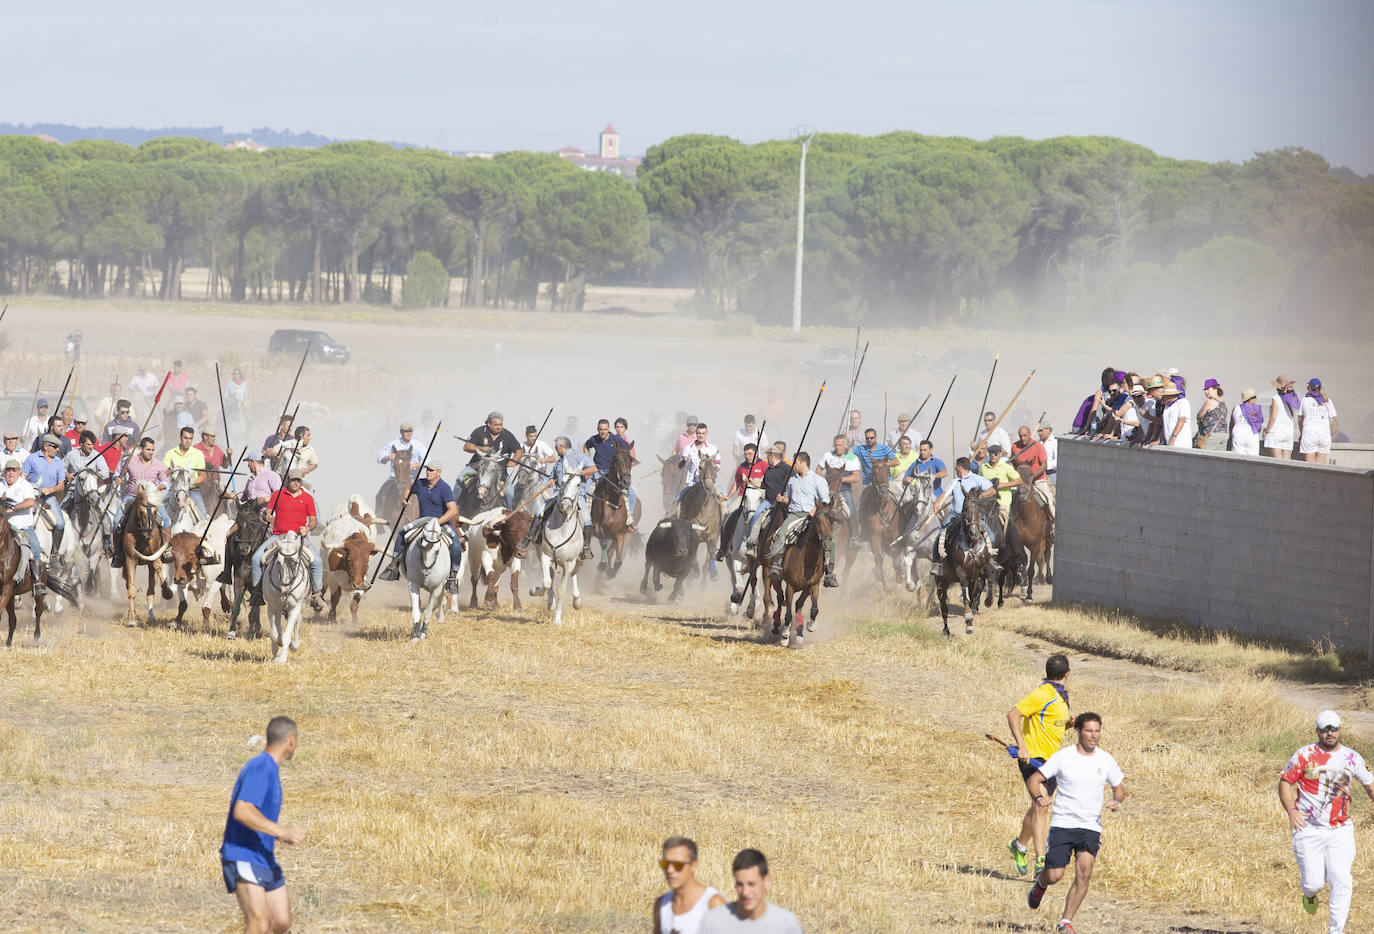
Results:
[405, 442]
[841, 458]
[1080, 771]
[904, 429]
[990, 435]
[692, 455]
[542, 450]
[35, 426]
[751, 912]
[1178, 418]
[854, 434]
[749, 434]
[21, 498]
[1051, 445]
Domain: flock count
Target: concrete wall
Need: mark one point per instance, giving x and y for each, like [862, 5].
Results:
[1256, 545]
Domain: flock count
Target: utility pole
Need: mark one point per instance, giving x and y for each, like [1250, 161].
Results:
[805, 134]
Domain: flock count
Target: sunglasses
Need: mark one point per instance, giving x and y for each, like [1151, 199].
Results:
[678, 865]
[1328, 729]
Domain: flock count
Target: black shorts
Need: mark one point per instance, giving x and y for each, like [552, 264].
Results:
[1030, 768]
[1065, 841]
[269, 877]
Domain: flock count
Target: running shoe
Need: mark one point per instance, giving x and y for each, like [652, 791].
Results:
[1018, 857]
[1039, 865]
[1065, 927]
[1309, 904]
[1037, 892]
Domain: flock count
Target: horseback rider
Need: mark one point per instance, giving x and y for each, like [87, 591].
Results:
[435, 499]
[405, 441]
[122, 418]
[262, 483]
[870, 453]
[622, 431]
[185, 454]
[84, 458]
[272, 444]
[569, 461]
[927, 463]
[967, 483]
[1030, 452]
[489, 436]
[22, 497]
[748, 474]
[293, 510]
[144, 465]
[804, 491]
[1006, 476]
[47, 474]
[692, 457]
[775, 477]
[601, 447]
[841, 458]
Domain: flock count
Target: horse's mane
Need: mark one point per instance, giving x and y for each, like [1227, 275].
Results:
[151, 494]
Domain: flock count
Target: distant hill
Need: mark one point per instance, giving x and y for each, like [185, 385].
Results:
[134, 136]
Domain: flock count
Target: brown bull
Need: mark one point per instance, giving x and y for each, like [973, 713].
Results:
[346, 567]
[186, 558]
[500, 548]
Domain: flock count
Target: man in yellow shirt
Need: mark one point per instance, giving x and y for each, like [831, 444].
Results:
[185, 454]
[905, 457]
[1006, 476]
[1038, 722]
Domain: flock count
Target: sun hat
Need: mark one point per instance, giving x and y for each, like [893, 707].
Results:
[1328, 718]
[1137, 390]
[1154, 382]
[1283, 379]
[1171, 389]
[1211, 384]
[1247, 395]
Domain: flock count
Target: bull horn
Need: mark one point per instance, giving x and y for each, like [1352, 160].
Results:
[155, 556]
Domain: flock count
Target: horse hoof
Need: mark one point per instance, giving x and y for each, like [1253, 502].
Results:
[968, 629]
[231, 635]
[577, 603]
[810, 625]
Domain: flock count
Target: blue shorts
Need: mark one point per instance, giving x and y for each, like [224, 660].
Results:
[270, 878]
[1065, 841]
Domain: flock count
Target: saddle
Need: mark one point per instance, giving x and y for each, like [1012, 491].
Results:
[25, 558]
[409, 535]
[305, 556]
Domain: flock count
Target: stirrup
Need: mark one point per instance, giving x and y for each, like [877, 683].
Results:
[390, 573]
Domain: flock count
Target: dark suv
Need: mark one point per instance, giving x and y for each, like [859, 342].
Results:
[323, 348]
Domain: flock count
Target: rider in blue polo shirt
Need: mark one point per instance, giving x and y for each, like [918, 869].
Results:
[873, 450]
[435, 499]
[601, 447]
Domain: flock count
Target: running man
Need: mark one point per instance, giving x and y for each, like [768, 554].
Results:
[751, 911]
[1038, 722]
[247, 856]
[683, 908]
[1076, 825]
[1315, 791]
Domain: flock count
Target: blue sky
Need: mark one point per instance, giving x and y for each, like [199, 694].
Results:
[1205, 80]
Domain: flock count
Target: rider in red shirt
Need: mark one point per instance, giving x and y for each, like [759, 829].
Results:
[292, 510]
[750, 468]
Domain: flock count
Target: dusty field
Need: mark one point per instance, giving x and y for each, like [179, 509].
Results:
[510, 776]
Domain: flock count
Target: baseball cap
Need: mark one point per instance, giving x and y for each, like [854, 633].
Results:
[254, 456]
[295, 474]
[1314, 382]
[209, 433]
[407, 426]
[994, 449]
[433, 465]
[1328, 718]
[80, 418]
[1046, 426]
[12, 464]
[42, 403]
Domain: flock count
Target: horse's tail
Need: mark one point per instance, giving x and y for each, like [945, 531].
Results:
[634, 544]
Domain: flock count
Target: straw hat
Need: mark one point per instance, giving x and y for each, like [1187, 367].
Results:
[1283, 380]
[1248, 394]
[1170, 389]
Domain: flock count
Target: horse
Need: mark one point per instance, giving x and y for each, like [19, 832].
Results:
[671, 475]
[529, 484]
[91, 521]
[915, 508]
[63, 579]
[250, 532]
[181, 508]
[842, 521]
[1033, 531]
[799, 576]
[144, 543]
[742, 565]
[560, 545]
[700, 505]
[11, 559]
[484, 489]
[394, 489]
[285, 587]
[966, 559]
[427, 564]
[881, 523]
[611, 512]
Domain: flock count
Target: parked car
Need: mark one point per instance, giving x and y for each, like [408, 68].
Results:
[830, 363]
[323, 348]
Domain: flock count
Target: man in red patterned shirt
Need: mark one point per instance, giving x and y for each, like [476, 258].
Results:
[1315, 791]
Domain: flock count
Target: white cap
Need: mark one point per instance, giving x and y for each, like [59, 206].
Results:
[1328, 718]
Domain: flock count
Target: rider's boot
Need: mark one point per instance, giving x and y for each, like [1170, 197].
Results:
[36, 569]
[257, 598]
[392, 571]
[56, 551]
[587, 553]
[451, 585]
[830, 580]
[117, 552]
[317, 601]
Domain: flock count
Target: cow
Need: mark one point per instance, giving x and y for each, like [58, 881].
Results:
[494, 544]
[349, 543]
[671, 550]
[187, 557]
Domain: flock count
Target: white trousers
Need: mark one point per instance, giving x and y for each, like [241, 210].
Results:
[1325, 855]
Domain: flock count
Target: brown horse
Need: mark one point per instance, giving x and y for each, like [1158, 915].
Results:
[611, 512]
[673, 475]
[394, 490]
[1033, 531]
[144, 543]
[799, 576]
[10, 557]
[967, 560]
[841, 520]
[700, 505]
[881, 523]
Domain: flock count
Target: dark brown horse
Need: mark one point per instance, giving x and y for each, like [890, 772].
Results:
[799, 577]
[611, 512]
[10, 557]
[966, 559]
[394, 490]
[881, 523]
[700, 505]
[842, 523]
[1033, 531]
[144, 543]
[672, 476]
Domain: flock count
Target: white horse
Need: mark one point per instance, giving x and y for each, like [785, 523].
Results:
[560, 547]
[918, 541]
[743, 566]
[68, 577]
[285, 587]
[181, 508]
[427, 566]
[91, 521]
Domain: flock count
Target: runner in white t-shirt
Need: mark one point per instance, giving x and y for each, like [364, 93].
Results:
[683, 907]
[1081, 771]
[1315, 791]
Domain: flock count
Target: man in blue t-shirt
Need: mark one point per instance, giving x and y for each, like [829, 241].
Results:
[601, 448]
[435, 500]
[251, 832]
[869, 452]
[928, 463]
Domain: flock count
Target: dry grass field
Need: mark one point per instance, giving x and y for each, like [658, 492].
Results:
[509, 776]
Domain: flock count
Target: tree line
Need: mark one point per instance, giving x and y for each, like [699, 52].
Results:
[901, 229]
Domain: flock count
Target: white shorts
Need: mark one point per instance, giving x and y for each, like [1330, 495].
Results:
[1315, 444]
[1279, 440]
